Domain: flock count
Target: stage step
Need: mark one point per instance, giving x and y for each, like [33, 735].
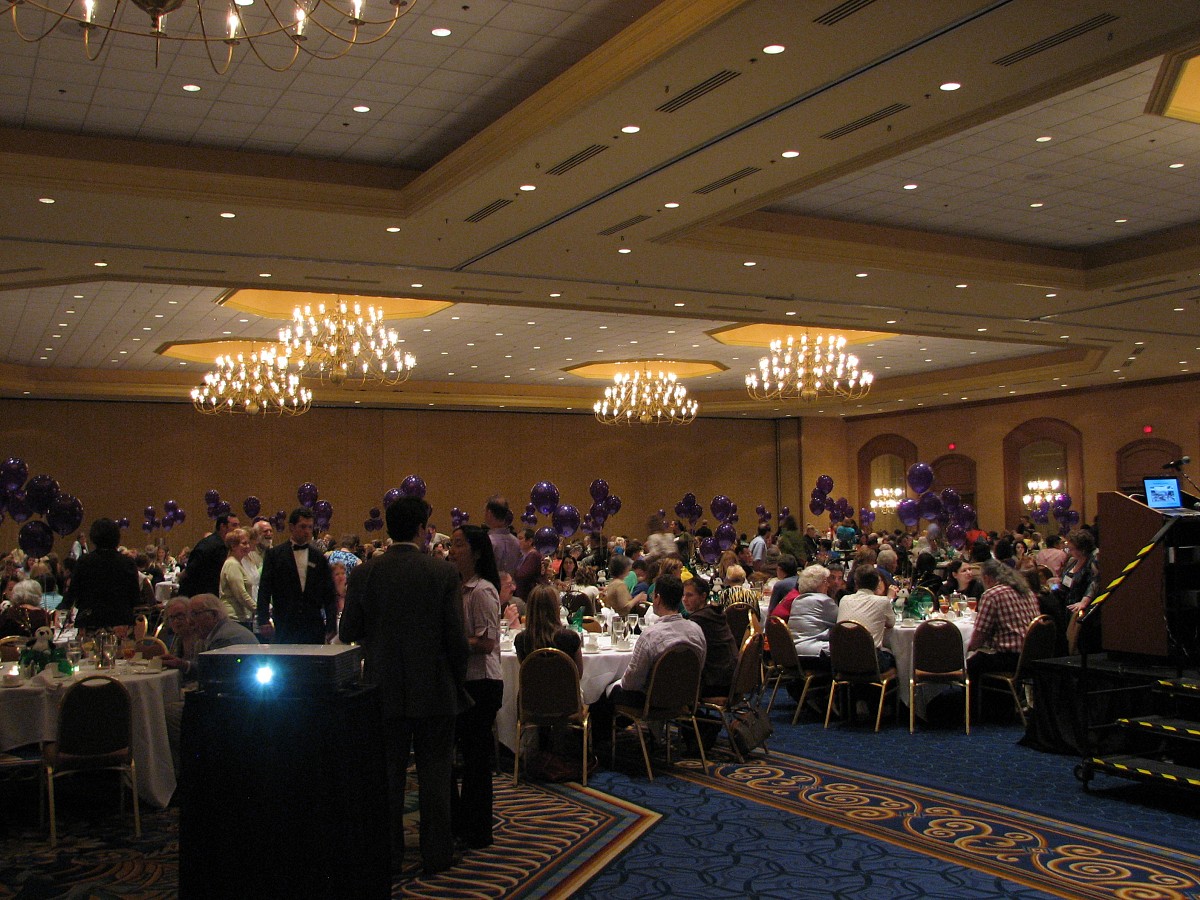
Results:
[1184, 729]
[1185, 686]
[1141, 768]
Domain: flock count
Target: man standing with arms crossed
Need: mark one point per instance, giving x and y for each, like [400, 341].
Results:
[405, 608]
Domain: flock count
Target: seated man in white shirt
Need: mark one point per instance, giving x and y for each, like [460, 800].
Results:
[669, 630]
[870, 607]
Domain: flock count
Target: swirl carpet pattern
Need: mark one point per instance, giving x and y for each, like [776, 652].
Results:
[1032, 850]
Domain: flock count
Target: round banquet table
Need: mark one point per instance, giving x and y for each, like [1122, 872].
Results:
[900, 641]
[29, 715]
[599, 671]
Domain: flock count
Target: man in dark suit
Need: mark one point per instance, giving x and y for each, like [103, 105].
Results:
[405, 607]
[203, 572]
[296, 589]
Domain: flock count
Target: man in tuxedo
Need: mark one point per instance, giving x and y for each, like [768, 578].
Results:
[405, 608]
[203, 573]
[296, 589]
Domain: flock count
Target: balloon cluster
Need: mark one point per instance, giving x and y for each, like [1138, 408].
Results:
[725, 536]
[945, 511]
[411, 486]
[40, 495]
[459, 517]
[820, 502]
[172, 516]
[322, 510]
[1060, 509]
[214, 505]
[605, 505]
[687, 509]
[565, 519]
[764, 514]
[252, 506]
[784, 513]
[374, 521]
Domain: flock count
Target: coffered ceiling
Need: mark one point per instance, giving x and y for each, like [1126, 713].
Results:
[587, 181]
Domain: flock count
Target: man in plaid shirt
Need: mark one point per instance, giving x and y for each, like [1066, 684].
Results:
[1005, 611]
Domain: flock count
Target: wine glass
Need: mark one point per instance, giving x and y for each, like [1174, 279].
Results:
[503, 630]
[926, 607]
[971, 601]
[74, 652]
[944, 607]
[631, 622]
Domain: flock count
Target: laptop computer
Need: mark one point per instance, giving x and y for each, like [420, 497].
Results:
[1163, 494]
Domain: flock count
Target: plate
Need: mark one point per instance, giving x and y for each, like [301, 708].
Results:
[591, 652]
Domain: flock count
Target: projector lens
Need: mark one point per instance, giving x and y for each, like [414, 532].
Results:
[264, 674]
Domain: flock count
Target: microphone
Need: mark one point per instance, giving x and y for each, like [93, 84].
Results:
[1177, 464]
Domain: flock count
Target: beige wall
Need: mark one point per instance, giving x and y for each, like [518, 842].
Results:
[120, 457]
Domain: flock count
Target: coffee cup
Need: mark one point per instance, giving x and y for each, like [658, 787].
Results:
[591, 641]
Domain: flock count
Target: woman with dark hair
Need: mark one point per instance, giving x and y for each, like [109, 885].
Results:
[925, 575]
[790, 540]
[567, 570]
[471, 811]
[960, 576]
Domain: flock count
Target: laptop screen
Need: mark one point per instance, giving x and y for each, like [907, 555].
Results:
[1162, 493]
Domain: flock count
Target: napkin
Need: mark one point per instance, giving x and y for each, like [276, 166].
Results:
[46, 679]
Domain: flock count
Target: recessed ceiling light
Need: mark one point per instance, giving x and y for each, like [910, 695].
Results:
[1063, 337]
[1179, 309]
[1120, 221]
[604, 328]
[772, 49]
[240, 320]
[228, 215]
[45, 199]
[791, 312]
[78, 296]
[960, 285]
[679, 304]
[671, 205]
[910, 187]
[362, 109]
[100, 265]
[981, 329]
[748, 263]
[790, 154]
[950, 86]
[1051, 296]
[226, 332]
[861, 275]
[426, 330]
[47, 348]
[135, 340]
[64, 324]
[417, 284]
[1044, 139]
[624, 250]
[556, 294]
[264, 274]
[1036, 205]
[441, 32]
[529, 187]
[393, 229]
[1175, 166]
[631, 129]
[170, 302]
[891, 322]
[122, 352]
[160, 315]
[191, 88]
[43, 357]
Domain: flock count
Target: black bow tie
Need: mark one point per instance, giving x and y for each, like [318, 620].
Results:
[297, 547]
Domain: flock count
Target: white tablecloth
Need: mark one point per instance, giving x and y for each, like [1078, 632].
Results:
[599, 671]
[900, 641]
[29, 714]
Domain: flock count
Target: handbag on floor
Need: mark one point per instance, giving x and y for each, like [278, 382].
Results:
[749, 728]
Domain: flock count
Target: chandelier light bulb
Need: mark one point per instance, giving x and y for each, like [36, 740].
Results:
[815, 370]
[642, 398]
[251, 384]
[346, 342]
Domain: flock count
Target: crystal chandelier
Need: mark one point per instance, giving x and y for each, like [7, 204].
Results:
[252, 384]
[1041, 491]
[887, 499]
[342, 344]
[276, 31]
[640, 398]
[815, 370]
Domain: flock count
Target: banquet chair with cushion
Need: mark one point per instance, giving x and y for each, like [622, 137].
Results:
[95, 733]
[591, 625]
[671, 696]
[11, 646]
[745, 689]
[576, 600]
[1039, 644]
[937, 659]
[737, 617]
[854, 662]
[548, 693]
[787, 666]
[150, 647]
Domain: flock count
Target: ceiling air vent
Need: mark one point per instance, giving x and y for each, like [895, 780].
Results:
[184, 269]
[1055, 40]
[699, 90]
[572, 161]
[20, 271]
[342, 280]
[484, 290]
[1142, 287]
[728, 179]
[480, 214]
[878, 116]
[621, 226]
[620, 300]
[841, 11]
[1190, 289]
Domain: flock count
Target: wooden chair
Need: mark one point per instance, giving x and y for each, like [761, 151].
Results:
[548, 693]
[737, 617]
[746, 687]
[671, 696]
[787, 665]
[11, 646]
[592, 626]
[1039, 644]
[937, 659]
[95, 733]
[577, 600]
[852, 657]
[150, 647]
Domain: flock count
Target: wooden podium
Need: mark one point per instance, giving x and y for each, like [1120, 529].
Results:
[1152, 613]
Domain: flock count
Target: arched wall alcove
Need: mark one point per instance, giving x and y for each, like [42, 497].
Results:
[1043, 431]
[881, 446]
[955, 470]
[1143, 458]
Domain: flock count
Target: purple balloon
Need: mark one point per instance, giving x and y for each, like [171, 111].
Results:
[223, 508]
[566, 520]
[374, 512]
[830, 504]
[251, 505]
[920, 477]
[40, 492]
[545, 541]
[825, 484]
[950, 498]
[906, 512]
[18, 506]
[1061, 502]
[123, 522]
[689, 499]
[13, 473]
[148, 526]
[458, 517]
[726, 535]
[544, 496]
[598, 514]
[598, 489]
[212, 497]
[682, 509]
[956, 535]
[307, 494]
[529, 519]
[965, 515]
[710, 551]
[35, 538]
[180, 515]
[818, 494]
[1072, 517]
[413, 486]
[65, 515]
[149, 512]
[929, 505]
[815, 506]
[172, 505]
[612, 503]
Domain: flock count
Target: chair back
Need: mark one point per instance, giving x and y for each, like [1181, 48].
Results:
[10, 647]
[852, 650]
[95, 718]
[674, 684]
[577, 600]
[737, 617]
[548, 687]
[783, 651]
[150, 647]
[747, 675]
[1039, 644]
[938, 647]
[141, 625]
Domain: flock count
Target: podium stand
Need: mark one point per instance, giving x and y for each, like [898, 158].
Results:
[283, 797]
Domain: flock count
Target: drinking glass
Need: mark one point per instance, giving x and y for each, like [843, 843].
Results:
[971, 601]
[503, 629]
[926, 607]
[944, 606]
[631, 622]
[74, 652]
